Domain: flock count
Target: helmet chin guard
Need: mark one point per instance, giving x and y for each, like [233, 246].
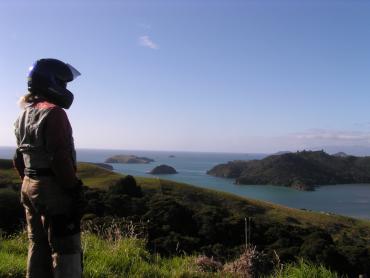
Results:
[62, 97]
[48, 78]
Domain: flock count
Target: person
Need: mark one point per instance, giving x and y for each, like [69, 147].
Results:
[46, 162]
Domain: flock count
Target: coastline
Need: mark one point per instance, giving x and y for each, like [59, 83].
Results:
[348, 200]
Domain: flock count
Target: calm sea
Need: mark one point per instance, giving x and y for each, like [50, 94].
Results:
[351, 200]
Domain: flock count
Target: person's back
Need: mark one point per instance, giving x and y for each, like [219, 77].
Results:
[46, 161]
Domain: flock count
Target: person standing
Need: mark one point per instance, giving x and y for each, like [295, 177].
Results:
[46, 162]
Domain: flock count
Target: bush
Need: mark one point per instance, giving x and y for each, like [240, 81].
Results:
[318, 247]
[126, 186]
[11, 211]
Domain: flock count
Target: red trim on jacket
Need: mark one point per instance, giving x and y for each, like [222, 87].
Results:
[44, 105]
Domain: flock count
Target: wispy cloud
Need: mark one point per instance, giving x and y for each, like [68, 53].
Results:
[145, 41]
[362, 125]
[145, 26]
[334, 136]
[353, 142]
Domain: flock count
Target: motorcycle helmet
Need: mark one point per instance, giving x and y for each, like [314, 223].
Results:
[48, 78]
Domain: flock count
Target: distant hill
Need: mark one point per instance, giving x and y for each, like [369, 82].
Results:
[130, 159]
[281, 152]
[300, 170]
[340, 154]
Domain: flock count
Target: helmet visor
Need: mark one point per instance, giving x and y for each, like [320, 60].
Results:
[75, 72]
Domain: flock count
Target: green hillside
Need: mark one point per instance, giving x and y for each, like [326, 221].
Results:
[174, 218]
[125, 256]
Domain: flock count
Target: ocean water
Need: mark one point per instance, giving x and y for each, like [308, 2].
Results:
[350, 200]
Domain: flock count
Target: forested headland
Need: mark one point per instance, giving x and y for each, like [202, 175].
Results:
[301, 170]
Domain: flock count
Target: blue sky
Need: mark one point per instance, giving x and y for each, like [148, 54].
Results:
[228, 76]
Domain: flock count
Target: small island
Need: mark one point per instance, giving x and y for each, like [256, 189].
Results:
[128, 159]
[301, 170]
[171, 156]
[163, 170]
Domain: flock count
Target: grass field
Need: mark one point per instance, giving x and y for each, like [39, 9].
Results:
[127, 257]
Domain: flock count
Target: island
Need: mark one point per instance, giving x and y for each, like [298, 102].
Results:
[171, 156]
[128, 159]
[163, 170]
[302, 170]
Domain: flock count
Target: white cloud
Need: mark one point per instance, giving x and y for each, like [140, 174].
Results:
[147, 42]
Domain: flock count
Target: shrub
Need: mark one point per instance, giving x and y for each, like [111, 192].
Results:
[11, 210]
[126, 186]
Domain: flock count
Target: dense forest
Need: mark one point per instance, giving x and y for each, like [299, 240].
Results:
[181, 219]
[301, 170]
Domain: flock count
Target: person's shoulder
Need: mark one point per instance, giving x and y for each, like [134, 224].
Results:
[52, 111]
[50, 108]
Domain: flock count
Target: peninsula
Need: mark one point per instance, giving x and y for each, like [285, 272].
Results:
[301, 170]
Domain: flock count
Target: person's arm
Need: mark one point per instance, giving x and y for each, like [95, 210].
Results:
[58, 136]
[19, 163]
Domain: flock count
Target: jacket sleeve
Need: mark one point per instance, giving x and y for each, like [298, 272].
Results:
[59, 144]
[19, 163]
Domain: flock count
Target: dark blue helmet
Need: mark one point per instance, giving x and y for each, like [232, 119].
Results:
[48, 78]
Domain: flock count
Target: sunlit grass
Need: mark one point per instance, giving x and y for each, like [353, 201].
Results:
[128, 257]
[123, 257]
[13, 253]
[304, 269]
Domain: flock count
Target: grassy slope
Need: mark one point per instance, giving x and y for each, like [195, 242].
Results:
[135, 261]
[336, 225]
[127, 257]
[97, 177]
[103, 258]
[92, 175]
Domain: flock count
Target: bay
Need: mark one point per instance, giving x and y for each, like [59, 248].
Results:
[350, 200]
